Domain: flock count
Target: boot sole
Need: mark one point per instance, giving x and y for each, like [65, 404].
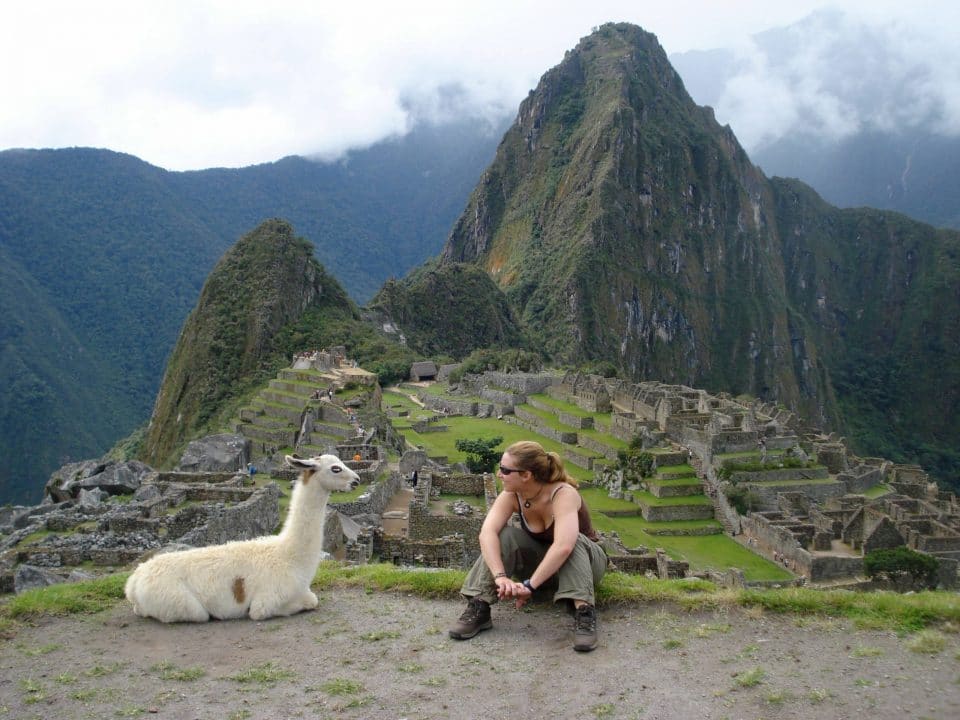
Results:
[466, 636]
[585, 648]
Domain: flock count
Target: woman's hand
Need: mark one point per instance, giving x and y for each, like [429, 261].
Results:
[522, 594]
[504, 587]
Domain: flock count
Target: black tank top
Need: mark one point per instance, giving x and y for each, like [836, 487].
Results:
[546, 535]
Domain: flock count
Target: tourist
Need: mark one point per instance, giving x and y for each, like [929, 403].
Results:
[555, 544]
[357, 457]
[415, 478]
[762, 446]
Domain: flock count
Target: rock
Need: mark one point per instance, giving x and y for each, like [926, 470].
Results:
[61, 483]
[115, 478]
[216, 453]
[91, 498]
[146, 493]
[29, 577]
[80, 576]
[118, 478]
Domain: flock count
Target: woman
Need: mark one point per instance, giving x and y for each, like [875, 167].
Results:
[555, 542]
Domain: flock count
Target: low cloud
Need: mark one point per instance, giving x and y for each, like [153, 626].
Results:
[834, 74]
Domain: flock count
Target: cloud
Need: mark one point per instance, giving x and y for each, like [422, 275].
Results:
[834, 74]
[201, 83]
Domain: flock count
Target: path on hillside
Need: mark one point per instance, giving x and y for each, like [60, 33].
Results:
[378, 655]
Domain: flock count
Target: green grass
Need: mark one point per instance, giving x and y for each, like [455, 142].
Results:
[685, 469]
[571, 408]
[265, 674]
[703, 552]
[599, 501]
[66, 599]
[878, 491]
[879, 610]
[675, 482]
[465, 428]
[646, 498]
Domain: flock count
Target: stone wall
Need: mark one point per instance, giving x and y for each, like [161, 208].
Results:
[375, 500]
[819, 492]
[665, 513]
[597, 448]
[446, 552]
[459, 484]
[255, 517]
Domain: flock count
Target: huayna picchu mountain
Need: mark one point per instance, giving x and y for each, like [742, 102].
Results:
[266, 298]
[623, 224]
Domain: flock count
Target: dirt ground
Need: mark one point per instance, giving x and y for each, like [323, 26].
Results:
[388, 656]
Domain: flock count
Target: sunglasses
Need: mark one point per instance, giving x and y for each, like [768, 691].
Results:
[506, 471]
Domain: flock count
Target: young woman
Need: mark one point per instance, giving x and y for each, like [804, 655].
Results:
[554, 544]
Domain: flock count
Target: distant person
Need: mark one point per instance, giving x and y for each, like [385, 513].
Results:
[762, 446]
[555, 542]
[357, 457]
[251, 469]
[414, 478]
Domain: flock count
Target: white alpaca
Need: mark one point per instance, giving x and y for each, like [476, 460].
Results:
[262, 578]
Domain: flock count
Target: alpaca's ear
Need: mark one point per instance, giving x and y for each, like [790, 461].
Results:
[297, 462]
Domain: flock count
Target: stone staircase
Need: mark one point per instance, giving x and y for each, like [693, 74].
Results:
[289, 415]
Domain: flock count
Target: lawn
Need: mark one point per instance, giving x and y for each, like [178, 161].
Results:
[717, 552]
[468, 428]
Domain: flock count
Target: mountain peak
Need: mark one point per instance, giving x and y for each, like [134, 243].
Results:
[266, 282]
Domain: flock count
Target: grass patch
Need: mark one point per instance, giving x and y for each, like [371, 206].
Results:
[863, 652]
[264, 674]
[750, 678]
[342, 686]
[89, 596]
[168, 671]
[884, 610]
[928, 642]
[642, 496]
[704, 552]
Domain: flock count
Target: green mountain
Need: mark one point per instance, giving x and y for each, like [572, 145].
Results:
[233, 340]
[623, 225]
[104, 257]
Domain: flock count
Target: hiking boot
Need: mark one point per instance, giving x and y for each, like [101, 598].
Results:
[474, 619]
[585, 628]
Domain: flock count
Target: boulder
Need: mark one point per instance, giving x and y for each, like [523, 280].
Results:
[114, 478]
[61, 483]
[216, 453]
[29, 577]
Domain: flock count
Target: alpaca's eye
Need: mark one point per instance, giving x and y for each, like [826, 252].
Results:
[336, 468]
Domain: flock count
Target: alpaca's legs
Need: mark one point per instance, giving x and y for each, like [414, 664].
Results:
[180, 605]
[304, 600]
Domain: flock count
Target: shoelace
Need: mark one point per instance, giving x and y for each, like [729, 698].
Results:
[586, 620]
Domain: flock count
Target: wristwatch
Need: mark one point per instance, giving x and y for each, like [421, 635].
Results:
[528, 585]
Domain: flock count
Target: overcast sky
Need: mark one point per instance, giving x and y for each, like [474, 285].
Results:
[204, 83]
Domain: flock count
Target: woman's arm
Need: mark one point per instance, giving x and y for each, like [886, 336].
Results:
[496, 520]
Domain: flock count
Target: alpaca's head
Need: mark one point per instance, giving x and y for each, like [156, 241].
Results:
[326, 470]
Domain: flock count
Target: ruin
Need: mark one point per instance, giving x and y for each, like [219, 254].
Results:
[810, 508]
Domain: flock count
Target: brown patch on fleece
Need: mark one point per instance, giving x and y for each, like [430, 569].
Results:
[239, 591]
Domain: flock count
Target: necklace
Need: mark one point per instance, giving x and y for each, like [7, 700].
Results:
[526, 502]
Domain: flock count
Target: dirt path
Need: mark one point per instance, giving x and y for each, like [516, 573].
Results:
[388, 656]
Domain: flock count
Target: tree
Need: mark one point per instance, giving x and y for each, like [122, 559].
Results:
[635, 462]
[898, 563]
[482, 454]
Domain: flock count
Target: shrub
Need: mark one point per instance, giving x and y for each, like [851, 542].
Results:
[742, 499]
[482, 454]
[897, 564]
